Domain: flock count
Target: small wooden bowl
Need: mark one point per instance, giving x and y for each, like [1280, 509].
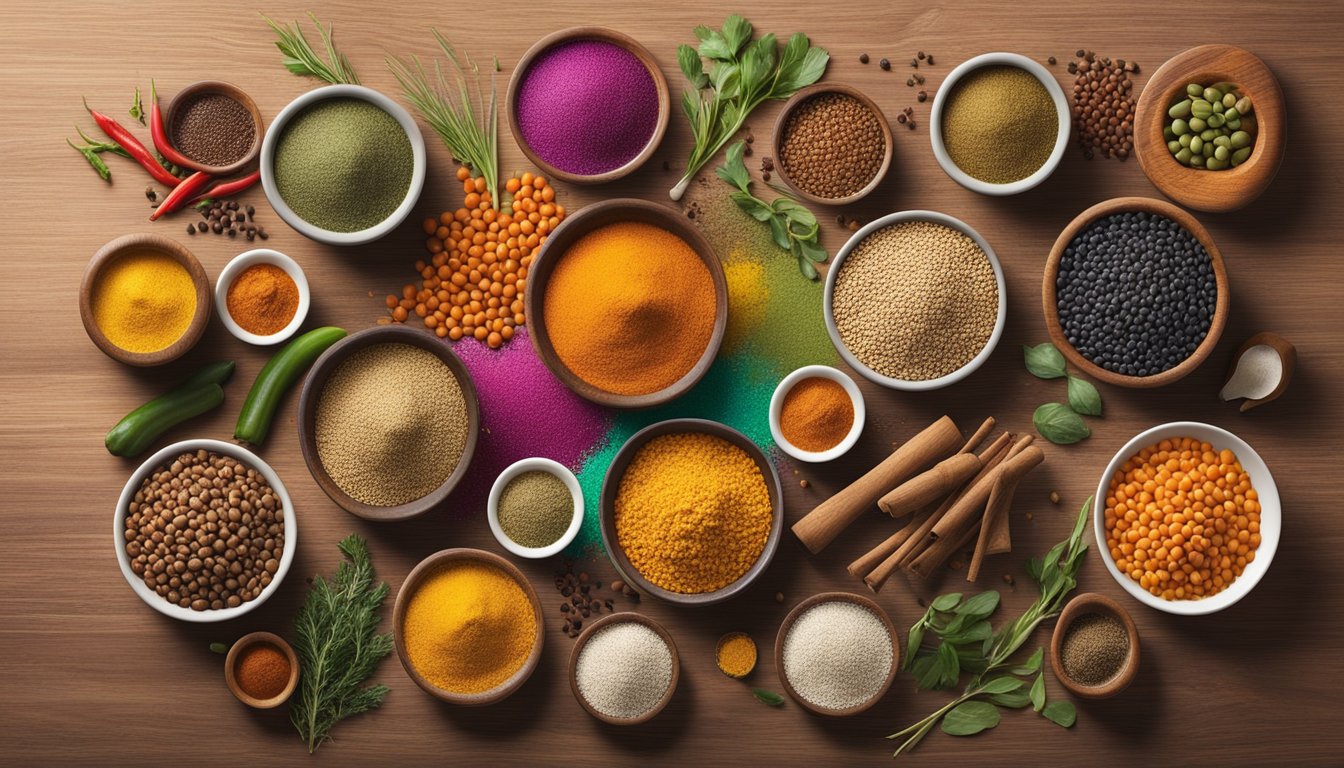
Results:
[612, 483]
[573, 228]
[594, 628]
[605, 35]
[844, 597]
[230, 91]
[159, 244]
[782, 121]
[322, 370]
[413, 580]
[1082, 605]
[231, 662]
[1202, 190]
[1049, 296]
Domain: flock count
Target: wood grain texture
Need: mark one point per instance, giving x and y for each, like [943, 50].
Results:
[93, 676]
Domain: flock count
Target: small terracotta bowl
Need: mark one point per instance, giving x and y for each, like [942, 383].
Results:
[833, 597]
[231, 663]
[597, 626]
[1084, 605]
[230, 91]
[159, 244]
[422, 571]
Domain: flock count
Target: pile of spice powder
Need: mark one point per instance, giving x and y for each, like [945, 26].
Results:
[999, 124]
[736, 654]
[833, 146]
[263, 299]
[624, 669]
[144, 301]
[816, 415]
[587, 106]
[213, 129]
[535, 509]
[262, 671]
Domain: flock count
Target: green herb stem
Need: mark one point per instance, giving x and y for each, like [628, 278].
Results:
[301, 59]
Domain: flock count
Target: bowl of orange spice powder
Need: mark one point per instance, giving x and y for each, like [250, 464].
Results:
[817, 414]
[262, 296]
[1189, 516]
[262, 670]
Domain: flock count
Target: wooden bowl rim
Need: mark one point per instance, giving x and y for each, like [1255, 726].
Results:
[116, 248]
[228, 90]
[230, 673]
[408, 587]
[607, 509]
[611, 620]
[602, 34]
[1049, 296]
[310, 396]
[1088, 603]
[1220, 191]
[843, 597]
[585, 221]
[807, 94]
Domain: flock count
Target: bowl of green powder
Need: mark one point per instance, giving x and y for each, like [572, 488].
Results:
[343, 165]
[535, 508]
[1000, 124]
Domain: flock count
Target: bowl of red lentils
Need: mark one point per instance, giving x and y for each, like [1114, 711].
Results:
[1187, 518]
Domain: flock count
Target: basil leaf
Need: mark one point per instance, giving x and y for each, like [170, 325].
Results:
[1060, 713]
[1083, 397]
[1013, 700]
[751, 205]
[779, 233]
[1033, 664]
[972, 634]
[1038, 692]
[1059, 425]
[1044, 361]
[970, 717]
[1004, 684]
[768, 698]
[812, 250]
[912, 643]
[949, 665]
[927, 671]
[691, 66]
[946, 602]
[981, 605]
[809, 271]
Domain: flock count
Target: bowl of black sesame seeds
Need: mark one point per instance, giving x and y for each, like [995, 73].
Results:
[1135, 292]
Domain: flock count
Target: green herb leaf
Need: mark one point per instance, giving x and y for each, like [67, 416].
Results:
[1060, 425]
[1013, 700]
[981, 605]
[734, 170]
[1044, 361]
[927, 671]
[1033, 664]
[1003, 684]
[736, 32]
[691, 67]
[1038, 692]
[768, 698]
[970, 718]
[137, 110]
[946, 602]
[219, 648]
[975, 633]
[912, 643]
[1083, 397]
[949, 665]
[792, 227]
[1061, 713]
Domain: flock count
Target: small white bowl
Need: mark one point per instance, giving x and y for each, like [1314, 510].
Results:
[1271, 515]
[277, 130]
[151, 598]
[1061, 109]
[235, 268]
[517, 468]
[777, 405]
[828, 306]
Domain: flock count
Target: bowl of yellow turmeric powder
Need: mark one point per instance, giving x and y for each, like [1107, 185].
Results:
[145, 299]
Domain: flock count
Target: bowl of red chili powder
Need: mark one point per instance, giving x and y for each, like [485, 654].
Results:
[262, 296]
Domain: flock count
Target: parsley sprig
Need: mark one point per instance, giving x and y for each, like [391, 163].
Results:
[793, 227]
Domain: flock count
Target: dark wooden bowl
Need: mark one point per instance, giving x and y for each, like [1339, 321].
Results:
[587, 635]
[612, 483]
[575, 227]
[1132, 205]
[1213, 191]
[230, 673]
[844, 597]
[322, 370]
[413, 580]
[589, 33]
[160, 244]
[1082, 605]
[224, 89]
[806, 94]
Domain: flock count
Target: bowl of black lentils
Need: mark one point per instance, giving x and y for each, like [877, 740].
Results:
[1135, 292]
[204, 531]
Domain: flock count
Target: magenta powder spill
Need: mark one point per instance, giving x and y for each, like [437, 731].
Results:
[587, 106]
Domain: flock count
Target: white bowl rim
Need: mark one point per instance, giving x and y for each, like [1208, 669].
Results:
[303, 101]
[531, 464]
[777, 406]
[837, 263]
[151, 598]
[235, 267]
[1271, 515]
[1062, 110]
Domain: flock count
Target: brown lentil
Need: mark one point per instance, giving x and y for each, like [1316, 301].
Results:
[833, 146]
[213, 129]
[1000, 124]
[1103, 105]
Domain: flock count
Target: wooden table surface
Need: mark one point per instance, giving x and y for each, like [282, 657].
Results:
[92, 675]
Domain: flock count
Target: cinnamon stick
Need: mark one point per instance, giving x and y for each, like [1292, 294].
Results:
[868, 561]
[992, 532]
[936, 554]
[980, 434]
[943, 478]
[969, 508]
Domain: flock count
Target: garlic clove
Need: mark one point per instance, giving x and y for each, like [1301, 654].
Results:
[1260, 370]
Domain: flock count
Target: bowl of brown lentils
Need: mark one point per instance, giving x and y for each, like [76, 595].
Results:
[204, 531]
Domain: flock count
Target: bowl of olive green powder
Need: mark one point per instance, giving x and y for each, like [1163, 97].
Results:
[1000, 124]
[535, 508]
[343, 165]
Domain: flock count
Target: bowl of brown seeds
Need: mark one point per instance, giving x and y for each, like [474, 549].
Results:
[204, 531]
[832, 144]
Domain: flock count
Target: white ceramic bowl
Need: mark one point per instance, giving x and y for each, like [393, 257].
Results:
[1061, 109]
[277, 130]
[517, 468]
[829, 298]
[164, 456]
[777, 405]
[1271, 515]
[235, 268]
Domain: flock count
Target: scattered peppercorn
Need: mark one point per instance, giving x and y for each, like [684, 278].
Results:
[1054, 497]
[921, 55]
[779, 597]
[885, 65]
[930, 60]
[914, 63]
[1008, 579]
[1103, 106]
[1051, 60]
[804, 483]
[863, 58]
[579, 601]
[922, 96]
[910, 82]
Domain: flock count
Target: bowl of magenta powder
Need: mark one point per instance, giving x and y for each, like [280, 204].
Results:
[588, 105]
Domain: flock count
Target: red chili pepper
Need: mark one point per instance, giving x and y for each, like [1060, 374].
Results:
[189, 188]
[156, 130]
[229, 188]
[127, 140]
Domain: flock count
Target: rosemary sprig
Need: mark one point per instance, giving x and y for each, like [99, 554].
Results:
[301, 59]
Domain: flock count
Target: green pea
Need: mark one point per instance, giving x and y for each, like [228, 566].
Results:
[1180, 109]
[1197, 160]
[1184, 156]
[1194, 89]
[1209, 134]
[1222, 141]
[1180, 127]
[1240, 155]
[1244, 105]
[1174, 146]
[1207, 150]
[1231, 113]
[1213, 94]
[1240, 139]
[1233, 125]
[1229, 99]
[1196, 145]
[1216, 121]
[1168, 134]
[1201, 108]
[1197, 124]
[1185, 139]
[1222, 153]
[1214, 164]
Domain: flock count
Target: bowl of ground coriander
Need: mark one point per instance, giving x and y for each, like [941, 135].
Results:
[1000, 124]
[915, 301]
[343, 165]
[535, 508]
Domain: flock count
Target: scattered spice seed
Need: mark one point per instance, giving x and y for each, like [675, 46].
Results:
[923, 96]
[1052, 61]
[910, 82]
[914, 63]
[1054, 497]
[885, 65]
[1009, 580]
[900, 118]
[863, 58]
[1103, 106]
[921, 55]
[779, 597]
[930, 60]
[804, 483]
[579, 602]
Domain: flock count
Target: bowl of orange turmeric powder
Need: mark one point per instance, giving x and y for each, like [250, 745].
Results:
[262, 296]
[817, 414]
